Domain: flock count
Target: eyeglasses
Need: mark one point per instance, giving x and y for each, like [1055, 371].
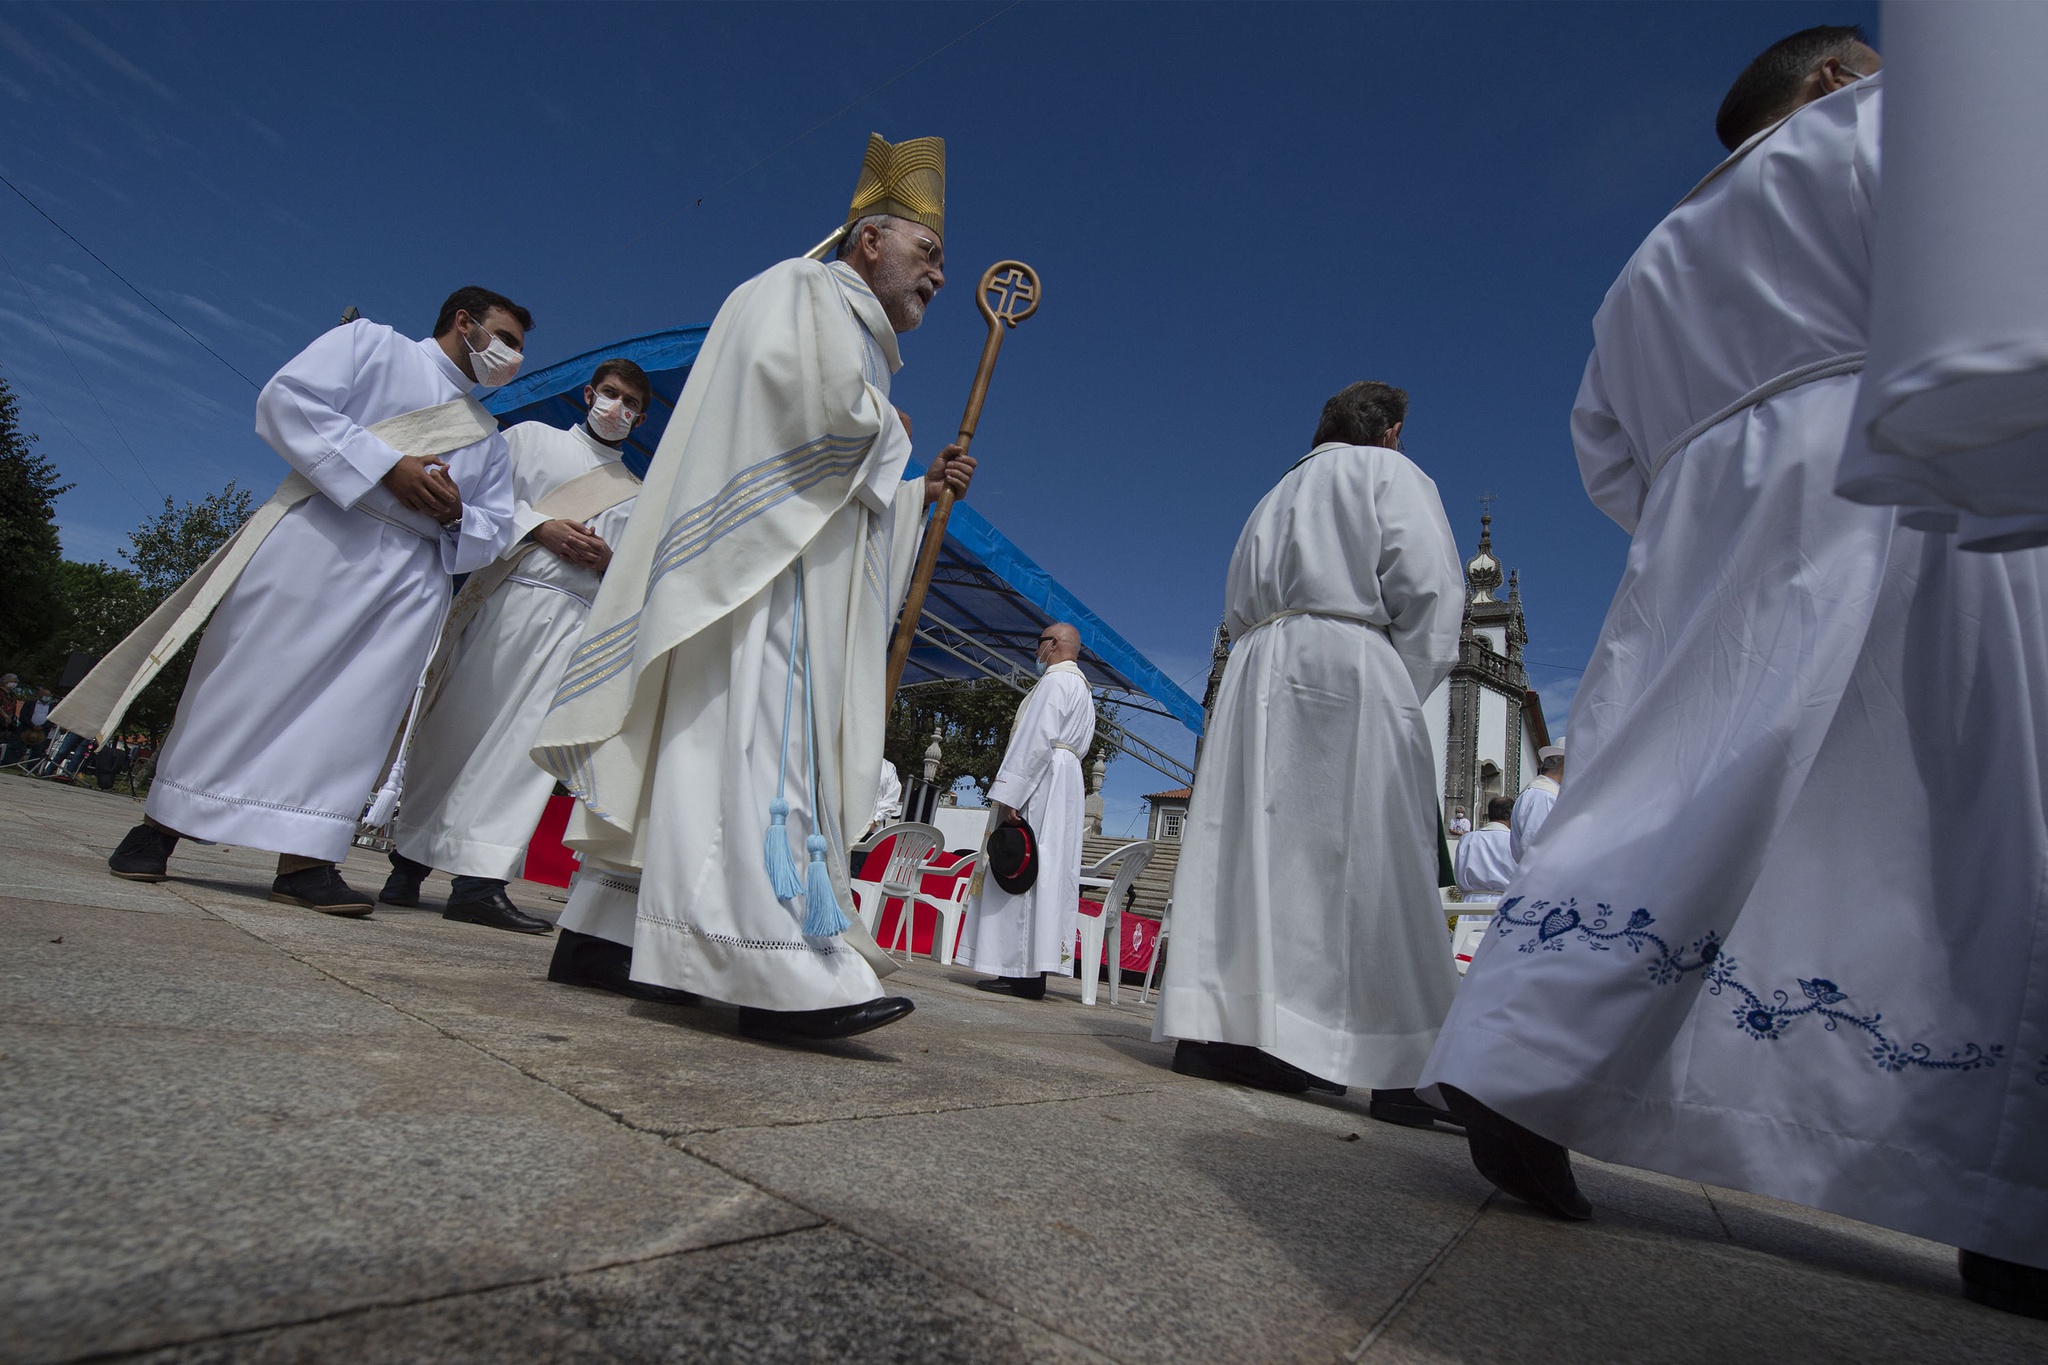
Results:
[933, 252]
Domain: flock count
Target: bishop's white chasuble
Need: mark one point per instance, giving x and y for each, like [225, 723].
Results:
[306, 669]
[472, 794]
[699, 697]
[1306, 917]
[1033, 932]
[1784, 930]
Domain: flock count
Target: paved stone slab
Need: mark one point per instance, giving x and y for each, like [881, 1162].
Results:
[1631, 1287]
[809, 1297]
[1201, 1223]
[667, 1069]
[217, 1138]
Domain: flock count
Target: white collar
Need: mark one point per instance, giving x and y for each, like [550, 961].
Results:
[450, 371]
[1063, 666]
[869, 310]
[1495, 824]
[598, 447]
[1871, 82]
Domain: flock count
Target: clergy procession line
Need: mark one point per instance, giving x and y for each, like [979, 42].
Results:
[1783, 930]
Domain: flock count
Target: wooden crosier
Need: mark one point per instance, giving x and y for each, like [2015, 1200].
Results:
[1008, 294]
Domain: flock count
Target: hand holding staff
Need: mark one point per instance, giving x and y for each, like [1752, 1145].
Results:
[1008, 294]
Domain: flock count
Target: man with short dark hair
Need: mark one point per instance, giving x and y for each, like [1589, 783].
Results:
[1791, 73]
[1308, 932]
[1486, 857]
[329, 599]
[472, 797]
[1785, 932]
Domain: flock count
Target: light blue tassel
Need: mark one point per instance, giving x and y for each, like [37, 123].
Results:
[781, 864]
[822, 915]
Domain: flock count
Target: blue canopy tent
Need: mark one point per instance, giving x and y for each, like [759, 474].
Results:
[988, 599]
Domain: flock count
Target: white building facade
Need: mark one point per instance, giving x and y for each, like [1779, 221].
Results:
[1485, 724]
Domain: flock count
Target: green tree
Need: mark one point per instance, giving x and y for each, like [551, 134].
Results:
[169, 547]
[166, 549]
[32, 608]
[973, 718]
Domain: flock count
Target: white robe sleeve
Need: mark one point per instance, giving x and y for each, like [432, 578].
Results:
[1607, 462]
[1421, 584]
[1532, 808]
[299, 415]
[1030, 750]
[486, 527]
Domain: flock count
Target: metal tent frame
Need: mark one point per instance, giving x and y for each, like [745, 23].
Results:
[989, 600]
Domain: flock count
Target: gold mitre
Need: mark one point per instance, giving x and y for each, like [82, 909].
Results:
[906, 179]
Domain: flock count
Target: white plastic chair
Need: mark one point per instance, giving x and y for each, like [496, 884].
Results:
[946, 933]
[1128, 861]
[1158, 945]
[899, 882]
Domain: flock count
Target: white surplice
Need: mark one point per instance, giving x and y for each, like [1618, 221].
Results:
[784, 457]
[1532, 808]
[1484, 863]
[888, 796]
[472, 794]
[1033, 932]
[305, 671]
[1952, 421]
[1306, 918]
[1785, 930]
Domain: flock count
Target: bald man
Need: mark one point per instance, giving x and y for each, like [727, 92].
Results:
[1018, 939]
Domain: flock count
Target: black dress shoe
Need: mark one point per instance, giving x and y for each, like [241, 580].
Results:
[1410, 1110]
[496, 911]
[402, 887]
[1023, 987]
[1532, 1168]
[143, 854]
[2004, 1285]
[1239, 1065]
[320, 888]
[818, 1026]
[599, 963]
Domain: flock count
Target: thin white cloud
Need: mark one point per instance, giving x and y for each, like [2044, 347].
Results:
[86, 39]
[16, 89]
[218, 316]
[262, 130]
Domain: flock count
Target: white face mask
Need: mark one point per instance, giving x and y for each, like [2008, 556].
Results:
[496, 363]
[609, 420]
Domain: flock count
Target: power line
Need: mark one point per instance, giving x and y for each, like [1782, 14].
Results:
[757, 165]
[125, 280]
[29, 294]
[91, 454]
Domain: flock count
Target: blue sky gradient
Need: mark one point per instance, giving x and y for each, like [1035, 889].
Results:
[1236, 210]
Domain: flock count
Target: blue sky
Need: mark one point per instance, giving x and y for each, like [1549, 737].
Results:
[1236, 210]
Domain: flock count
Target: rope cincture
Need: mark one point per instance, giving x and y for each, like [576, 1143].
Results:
[781, 865]
[822, 916]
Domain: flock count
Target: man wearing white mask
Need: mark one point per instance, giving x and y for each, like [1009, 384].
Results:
[472, 797]
[1019, 938]
[1532, 807]
[329, 599]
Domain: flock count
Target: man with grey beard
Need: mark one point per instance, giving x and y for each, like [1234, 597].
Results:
[721, 721]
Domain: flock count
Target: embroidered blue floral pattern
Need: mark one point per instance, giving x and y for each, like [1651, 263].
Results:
[1562, 922]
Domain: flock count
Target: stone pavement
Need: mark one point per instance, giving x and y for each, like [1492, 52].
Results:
[238, 1131]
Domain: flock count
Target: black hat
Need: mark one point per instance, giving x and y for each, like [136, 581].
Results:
[1013, 856]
